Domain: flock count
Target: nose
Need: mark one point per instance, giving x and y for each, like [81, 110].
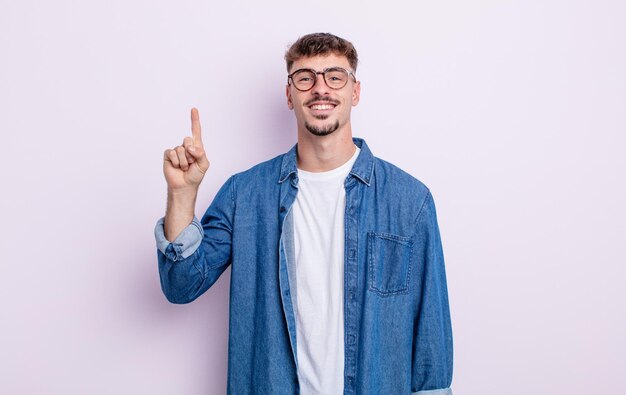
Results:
[320, 87]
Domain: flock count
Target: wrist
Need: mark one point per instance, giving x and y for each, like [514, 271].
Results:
[181, 202]
[185, 193]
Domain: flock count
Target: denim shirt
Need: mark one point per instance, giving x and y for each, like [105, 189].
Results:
[397, 330]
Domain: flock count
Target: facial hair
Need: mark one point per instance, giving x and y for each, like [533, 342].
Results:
[322, 131]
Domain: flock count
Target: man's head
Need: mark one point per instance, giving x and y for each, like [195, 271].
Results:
[322, 87]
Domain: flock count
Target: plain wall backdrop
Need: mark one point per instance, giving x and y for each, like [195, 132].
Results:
[511, 112]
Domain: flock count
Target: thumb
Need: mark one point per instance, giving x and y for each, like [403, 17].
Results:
[200, 157]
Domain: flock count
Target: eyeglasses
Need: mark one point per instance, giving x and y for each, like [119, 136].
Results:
[334, 77]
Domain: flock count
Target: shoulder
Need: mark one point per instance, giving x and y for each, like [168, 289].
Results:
[262, 173]
[267, 168]
[393, 177]
[401, 186]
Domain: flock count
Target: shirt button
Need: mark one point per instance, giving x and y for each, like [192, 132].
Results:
[282, 209]
[287, 293]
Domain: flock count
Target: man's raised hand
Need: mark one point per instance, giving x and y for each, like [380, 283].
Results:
[184, 166]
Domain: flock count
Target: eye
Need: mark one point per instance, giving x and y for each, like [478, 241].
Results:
[336, 75]
[303, 78]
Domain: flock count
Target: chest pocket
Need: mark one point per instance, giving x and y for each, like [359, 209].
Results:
[389, 263]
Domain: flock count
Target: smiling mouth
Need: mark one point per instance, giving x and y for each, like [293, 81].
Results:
[322, 106]
[321, 109]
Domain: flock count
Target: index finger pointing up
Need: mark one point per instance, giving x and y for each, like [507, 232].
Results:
[196, 130]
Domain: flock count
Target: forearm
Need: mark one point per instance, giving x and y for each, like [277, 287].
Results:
[180, 211]
[199, 252]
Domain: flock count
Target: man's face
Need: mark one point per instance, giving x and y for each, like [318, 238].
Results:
[323, 110]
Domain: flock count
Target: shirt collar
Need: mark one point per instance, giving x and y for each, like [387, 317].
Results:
[362, 169]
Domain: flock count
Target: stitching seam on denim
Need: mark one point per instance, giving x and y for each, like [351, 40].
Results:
[198, 226]
[404, 240]
[421, 209]
[193, 261]
[232, 191]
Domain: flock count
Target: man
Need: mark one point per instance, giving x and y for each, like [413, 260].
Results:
[337, 273]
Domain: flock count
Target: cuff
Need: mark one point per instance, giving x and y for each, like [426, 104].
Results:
[443, 391]
[184, 245]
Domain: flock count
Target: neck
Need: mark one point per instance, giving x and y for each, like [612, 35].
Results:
[324, 153]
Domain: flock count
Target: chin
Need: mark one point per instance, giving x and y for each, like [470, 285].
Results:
[322, 130]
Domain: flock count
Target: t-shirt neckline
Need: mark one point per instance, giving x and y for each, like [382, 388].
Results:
[324, 175]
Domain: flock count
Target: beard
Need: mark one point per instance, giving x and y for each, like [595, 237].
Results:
[322, 130]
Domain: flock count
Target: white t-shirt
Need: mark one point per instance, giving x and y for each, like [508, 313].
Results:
[319, 249]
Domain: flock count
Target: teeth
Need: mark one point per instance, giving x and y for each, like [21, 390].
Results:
[322, 107]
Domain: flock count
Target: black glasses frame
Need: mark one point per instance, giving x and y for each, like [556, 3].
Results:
[323, 73]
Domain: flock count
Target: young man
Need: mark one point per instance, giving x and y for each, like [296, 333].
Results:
[337, 272]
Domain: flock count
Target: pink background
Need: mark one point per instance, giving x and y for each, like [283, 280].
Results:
[512, 112]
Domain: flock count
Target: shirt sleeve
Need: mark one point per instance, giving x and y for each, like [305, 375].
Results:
[444, 391]
[194, 261]
[432, 343]
[184, 245]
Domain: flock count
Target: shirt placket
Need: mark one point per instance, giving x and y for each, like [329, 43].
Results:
[285, 263]
[350, 284]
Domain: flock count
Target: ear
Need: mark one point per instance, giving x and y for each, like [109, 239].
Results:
[356, 93]
[288, 94]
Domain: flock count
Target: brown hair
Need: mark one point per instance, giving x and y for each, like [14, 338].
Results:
[321, 44]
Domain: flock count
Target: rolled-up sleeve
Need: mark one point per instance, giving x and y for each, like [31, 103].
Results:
[444, 391]
[185, 244]
[432, 344]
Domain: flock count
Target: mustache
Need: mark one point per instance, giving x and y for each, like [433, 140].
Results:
[321, 99]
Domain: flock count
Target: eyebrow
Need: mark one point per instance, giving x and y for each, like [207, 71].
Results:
[327, 68]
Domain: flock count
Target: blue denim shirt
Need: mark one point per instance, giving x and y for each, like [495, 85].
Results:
[398, 336]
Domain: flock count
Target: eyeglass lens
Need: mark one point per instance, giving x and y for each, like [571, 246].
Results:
[335, 79]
